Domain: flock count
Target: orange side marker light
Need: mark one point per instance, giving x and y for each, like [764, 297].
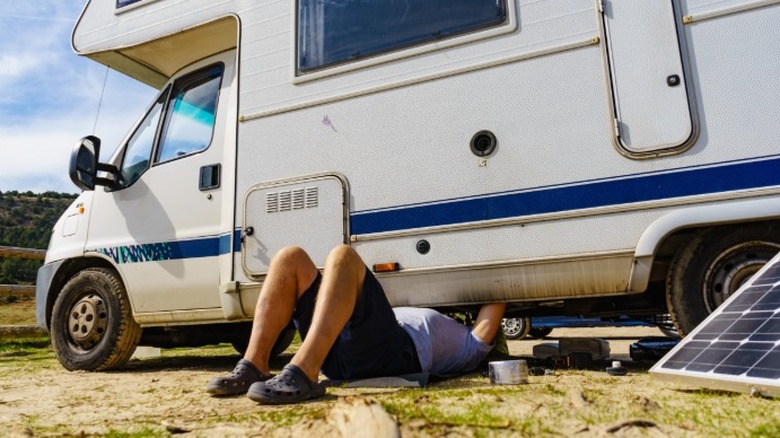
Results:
[386, 267]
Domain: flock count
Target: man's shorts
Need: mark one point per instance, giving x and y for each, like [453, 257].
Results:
[372, 344]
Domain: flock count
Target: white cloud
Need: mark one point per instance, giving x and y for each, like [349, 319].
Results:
[38, 149]
[49, 97]
[15, 65]
[33, 37]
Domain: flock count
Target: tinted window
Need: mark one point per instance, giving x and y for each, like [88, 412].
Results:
[123, 3]
[189, 118]
[335, 31]
[138, 152]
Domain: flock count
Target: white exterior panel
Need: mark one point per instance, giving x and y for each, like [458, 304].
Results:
[555, 212]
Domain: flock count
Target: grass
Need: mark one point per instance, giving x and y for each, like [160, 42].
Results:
[143, 433]
[567, 403]
[17, 311]
[32, 348]
[768, 429]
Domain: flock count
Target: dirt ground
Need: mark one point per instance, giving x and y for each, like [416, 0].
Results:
[164, 396]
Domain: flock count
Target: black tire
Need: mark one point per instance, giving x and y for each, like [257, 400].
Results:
[92, 325]
[665, 325]
[669, 332]
[712, 266]
[285, 339]
[516, 328]
[540, 332]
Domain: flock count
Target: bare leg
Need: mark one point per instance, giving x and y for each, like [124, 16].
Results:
[341, 285]
[290, 274]
[489, 321]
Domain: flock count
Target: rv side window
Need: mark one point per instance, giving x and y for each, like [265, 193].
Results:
[336, 31]
[122, 3]
[138, 152]
[189, 117]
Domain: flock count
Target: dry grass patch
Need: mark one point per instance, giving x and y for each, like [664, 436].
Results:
[17, 310]
[165, 396]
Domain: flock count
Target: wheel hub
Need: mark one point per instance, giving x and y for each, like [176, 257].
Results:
[87, 321]
[732, 270]
[511, 326]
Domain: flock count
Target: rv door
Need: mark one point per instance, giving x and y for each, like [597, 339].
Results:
[649, 92]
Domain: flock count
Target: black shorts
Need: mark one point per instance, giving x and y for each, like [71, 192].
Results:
[372, 344]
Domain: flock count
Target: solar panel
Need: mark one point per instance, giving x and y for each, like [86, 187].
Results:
[737, 348]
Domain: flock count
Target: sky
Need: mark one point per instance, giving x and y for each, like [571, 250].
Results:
[50, 97]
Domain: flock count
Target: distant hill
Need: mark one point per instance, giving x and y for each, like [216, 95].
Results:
[26, 220]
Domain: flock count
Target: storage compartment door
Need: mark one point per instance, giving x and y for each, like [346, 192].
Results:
[308, 212]
[649, 92]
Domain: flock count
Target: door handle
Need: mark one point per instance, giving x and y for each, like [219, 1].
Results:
[210, 177]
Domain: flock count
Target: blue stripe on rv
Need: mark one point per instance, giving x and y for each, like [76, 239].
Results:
[622, 190]
[182, 249]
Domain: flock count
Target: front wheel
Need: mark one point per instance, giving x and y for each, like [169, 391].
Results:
[712, 266]
[92, 326]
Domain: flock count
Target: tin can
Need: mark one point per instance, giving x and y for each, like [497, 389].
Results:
[508, 372]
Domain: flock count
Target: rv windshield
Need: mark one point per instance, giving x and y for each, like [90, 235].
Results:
[336, 31]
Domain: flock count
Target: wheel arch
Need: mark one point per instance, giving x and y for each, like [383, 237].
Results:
[66, 271]
[669, 233]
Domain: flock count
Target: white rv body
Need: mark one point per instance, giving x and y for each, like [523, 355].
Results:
[622, 128]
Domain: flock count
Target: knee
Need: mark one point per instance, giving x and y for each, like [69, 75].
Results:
[291, 256]
[345, 255]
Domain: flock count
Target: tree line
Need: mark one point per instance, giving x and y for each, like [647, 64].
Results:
[26, 221]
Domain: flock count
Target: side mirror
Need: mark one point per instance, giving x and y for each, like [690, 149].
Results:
[84, 165]
[84, 161]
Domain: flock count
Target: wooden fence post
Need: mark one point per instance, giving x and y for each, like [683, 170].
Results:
[15, 331]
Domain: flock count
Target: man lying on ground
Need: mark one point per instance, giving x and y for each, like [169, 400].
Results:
[349, 331]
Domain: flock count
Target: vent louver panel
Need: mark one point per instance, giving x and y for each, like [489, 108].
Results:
[297, 199]
[285, 200]
[272, 203]
[288, 200]
[312, 197]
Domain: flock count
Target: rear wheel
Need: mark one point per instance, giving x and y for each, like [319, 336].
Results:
[712, 266]
[516, 328]
[92, 326]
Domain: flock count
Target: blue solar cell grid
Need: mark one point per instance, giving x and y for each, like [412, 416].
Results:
[743, 339]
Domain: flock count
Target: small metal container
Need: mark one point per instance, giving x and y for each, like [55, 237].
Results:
[508, 372]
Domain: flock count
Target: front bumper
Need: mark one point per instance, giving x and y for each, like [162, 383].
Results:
[42, 289]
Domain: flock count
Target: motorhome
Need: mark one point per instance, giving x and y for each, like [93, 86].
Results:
[568, 157]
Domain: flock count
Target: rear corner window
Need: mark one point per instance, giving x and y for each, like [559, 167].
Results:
[122, 3]
[332, 32]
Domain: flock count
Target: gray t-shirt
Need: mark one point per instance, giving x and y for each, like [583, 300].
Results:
[443, 345]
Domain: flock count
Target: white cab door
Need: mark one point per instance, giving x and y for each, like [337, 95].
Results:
[161, 227]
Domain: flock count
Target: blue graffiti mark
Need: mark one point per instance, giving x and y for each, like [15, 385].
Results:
[327, 122]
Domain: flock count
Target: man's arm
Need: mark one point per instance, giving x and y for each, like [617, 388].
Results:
[489, 321]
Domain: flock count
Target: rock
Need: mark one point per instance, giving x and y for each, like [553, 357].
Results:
[362, 416]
